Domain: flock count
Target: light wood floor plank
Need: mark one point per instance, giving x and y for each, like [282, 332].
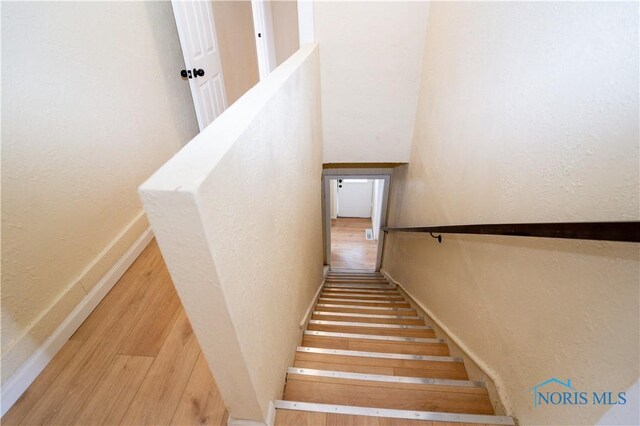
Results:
[149, 333]
[74, 384]
[86, 370]
[299, 418]
[201, 403]
[109, 400]
[41, 385]
[349, 247]
[137, 280]
[158, 397]
[350, 420]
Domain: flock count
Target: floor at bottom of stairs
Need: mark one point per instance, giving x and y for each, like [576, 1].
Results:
[134, 361]
[308, 418]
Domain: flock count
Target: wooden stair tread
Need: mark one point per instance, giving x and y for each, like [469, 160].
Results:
[297, 413]
[430, 334]
[387, 370]
[365, 296]
[398, 367]
[364, 303]
[337, 307]
[365, 350]
[412, 348]
[321, 315]
[394, 397]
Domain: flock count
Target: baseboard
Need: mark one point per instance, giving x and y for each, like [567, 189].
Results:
[27, 373]
[499, 387]
[309, 311]
[271, 416]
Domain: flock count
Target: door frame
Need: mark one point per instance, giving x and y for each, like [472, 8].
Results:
[329, 174]
[264, 37]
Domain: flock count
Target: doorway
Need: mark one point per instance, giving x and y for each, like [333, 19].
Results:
[229, 46]
[354, 206]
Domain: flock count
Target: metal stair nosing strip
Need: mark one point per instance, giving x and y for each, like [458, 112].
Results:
[377, 308]
[371, 325]
[355, 315]
[383, 355]
[394, 414]
[383, 378]
[372, 337]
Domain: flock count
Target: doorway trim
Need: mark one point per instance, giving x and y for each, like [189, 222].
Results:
[264, 37]
[336, 173]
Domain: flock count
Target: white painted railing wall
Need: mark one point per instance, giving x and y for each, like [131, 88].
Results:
[238, 219]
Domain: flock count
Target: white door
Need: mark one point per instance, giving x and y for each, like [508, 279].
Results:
[354, 197]
[197, 32]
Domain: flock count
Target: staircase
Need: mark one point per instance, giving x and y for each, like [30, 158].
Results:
[367, 358]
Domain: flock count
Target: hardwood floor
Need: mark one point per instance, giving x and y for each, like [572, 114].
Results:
[134, 361]
[349, 247]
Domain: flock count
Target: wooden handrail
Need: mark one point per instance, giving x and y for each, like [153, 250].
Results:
[604, 231]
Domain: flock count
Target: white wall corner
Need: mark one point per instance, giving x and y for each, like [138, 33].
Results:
[270, 421]
[500, 388]
[627, 414]
[29, 371]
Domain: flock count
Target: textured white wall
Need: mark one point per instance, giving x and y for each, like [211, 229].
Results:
[91, 105]
[284, 15]
[370, 54]
[528, 112]
[237, 215]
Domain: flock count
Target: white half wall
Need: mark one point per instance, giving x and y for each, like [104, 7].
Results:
[371, 53]
[237, 216]
[91, 105]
